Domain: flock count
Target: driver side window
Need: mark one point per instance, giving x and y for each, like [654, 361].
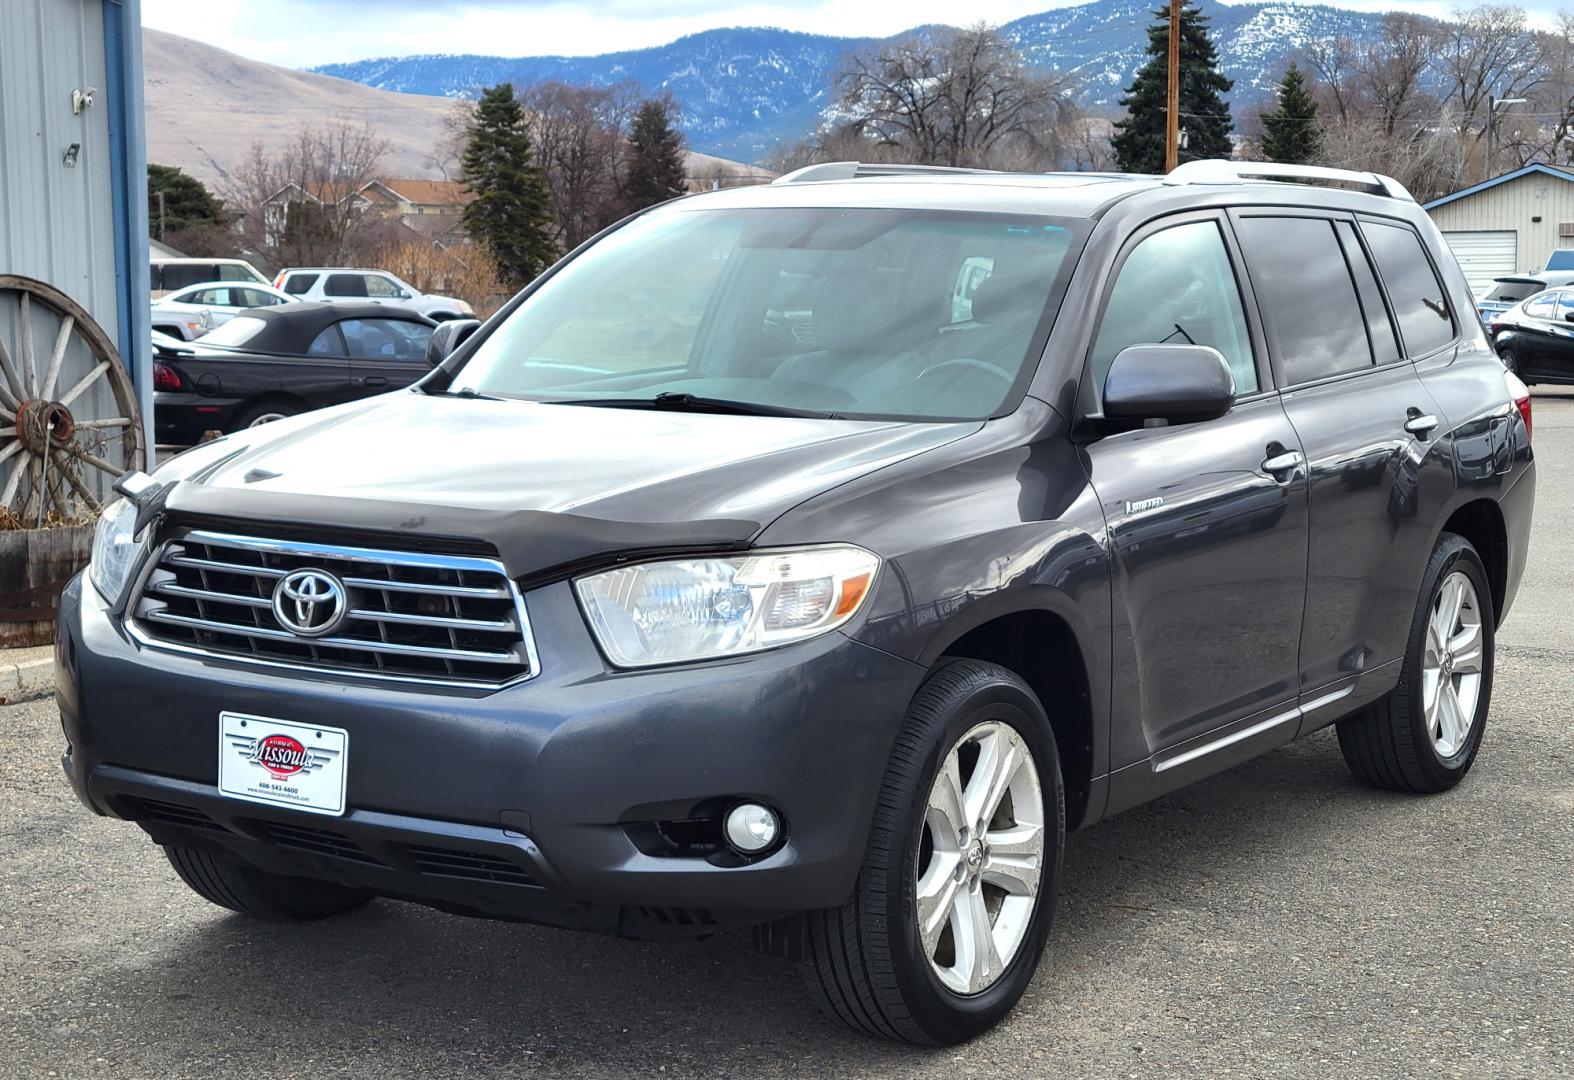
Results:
[1177, 288]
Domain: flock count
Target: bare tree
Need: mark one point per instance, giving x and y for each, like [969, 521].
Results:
[444, 156]
[302, 203]
[578, 134]
[956, 97]
[1487, 51]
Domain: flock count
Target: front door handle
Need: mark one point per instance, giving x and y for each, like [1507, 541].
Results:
[1286, 462]
[374, 380]
[1419, 424]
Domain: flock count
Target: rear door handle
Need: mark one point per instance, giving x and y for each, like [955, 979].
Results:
[374, 380]
[1420, 424]
[1282, 463]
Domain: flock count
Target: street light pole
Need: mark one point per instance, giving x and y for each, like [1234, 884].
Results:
[1493, 105]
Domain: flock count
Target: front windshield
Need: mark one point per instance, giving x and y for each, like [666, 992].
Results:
[849, 312]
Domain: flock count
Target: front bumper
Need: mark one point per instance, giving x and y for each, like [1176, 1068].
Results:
[537, 799]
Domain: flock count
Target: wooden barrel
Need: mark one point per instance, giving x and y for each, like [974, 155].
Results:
[35, 565]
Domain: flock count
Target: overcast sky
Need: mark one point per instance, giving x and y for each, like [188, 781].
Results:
[303, 33]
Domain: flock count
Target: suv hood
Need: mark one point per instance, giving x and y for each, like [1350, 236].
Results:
[546, 485]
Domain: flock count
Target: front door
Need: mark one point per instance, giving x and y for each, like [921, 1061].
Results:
[1207, 522]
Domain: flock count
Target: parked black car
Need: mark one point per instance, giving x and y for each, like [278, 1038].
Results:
[275, 362]
[1535, 337]
[644, 615]
[1505, 292]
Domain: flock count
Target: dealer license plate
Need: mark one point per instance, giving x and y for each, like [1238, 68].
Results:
[282, 763]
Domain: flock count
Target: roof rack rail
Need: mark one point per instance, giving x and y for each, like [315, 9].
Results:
[853, 170]
[1215, 171]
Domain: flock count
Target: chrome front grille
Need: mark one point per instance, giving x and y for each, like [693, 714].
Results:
[448, 619]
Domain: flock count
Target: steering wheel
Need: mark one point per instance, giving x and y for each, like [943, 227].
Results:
[970, 363]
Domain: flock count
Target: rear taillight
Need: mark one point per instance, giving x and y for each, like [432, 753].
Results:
[165, 377]
[278, 281]
[1521, 395]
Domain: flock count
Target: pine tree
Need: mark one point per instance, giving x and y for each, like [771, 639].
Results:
[1289, 133]
[656, 170]
[510, 212]
[186, 202]
[1139, 138]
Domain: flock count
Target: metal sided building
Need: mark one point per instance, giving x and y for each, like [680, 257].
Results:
[1508, 224]
[73, 171]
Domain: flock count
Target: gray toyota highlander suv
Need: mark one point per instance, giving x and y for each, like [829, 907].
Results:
[809, 558]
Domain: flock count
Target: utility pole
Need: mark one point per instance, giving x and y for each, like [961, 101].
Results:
[161, 217]
[1493, 105]
[1172, 109]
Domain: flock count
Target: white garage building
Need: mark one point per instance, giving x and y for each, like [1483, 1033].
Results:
[1510, 223]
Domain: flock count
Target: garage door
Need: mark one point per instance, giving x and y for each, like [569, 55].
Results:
[1485, 255]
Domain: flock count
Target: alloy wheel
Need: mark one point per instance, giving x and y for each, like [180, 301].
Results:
[267, 418]
[980, 857]
[1452, 666]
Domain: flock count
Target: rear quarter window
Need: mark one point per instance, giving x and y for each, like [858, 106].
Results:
[1419, 300]
[299, 284]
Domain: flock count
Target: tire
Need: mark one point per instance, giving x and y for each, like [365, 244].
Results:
[1397, 743]
[263, 412]
[866, 961]
[1510, 360]
[258, 893]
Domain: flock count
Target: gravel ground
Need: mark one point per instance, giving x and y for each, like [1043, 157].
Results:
[1276, 920]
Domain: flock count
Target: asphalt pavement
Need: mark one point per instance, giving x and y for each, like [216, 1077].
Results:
[1277, 920]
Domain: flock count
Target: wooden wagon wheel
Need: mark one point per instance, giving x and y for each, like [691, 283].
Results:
[53, 438]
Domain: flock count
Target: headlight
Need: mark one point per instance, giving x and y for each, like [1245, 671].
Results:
[114, 551]
[698, 609]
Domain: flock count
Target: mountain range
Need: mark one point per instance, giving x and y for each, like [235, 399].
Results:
[206, 108]
[745, 91]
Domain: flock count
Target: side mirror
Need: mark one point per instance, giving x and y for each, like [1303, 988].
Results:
[447, 337]
[1569, 317]
[1178, 383]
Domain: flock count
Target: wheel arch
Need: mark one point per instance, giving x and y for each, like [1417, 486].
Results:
[1480, 521]
[1040, 644]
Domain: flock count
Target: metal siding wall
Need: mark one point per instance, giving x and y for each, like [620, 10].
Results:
[1512, 206]
[57, 223]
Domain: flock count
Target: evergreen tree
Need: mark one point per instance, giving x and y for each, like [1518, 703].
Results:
[656, 170]
[510, 212]
[1139, 138]
[187, 203]
[1289, 133]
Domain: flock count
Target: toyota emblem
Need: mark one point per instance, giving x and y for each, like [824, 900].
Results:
[310, 603]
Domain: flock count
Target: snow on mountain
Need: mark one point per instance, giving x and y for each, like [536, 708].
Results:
[745, 90]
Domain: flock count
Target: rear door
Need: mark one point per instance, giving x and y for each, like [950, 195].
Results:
[1207, 522]
[384, 354]
[1532, 343]
[1366, 423]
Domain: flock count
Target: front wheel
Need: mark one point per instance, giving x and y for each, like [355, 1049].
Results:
[258, 893]
[954, 901]
[1423, 737]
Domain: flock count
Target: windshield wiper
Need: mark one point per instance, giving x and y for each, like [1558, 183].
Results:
[465, 392]
[675, 401]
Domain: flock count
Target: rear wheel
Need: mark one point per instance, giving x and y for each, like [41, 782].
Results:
[954, 902]
[263, 412]
[234, 885]
[1510, 360]
[1424, 735]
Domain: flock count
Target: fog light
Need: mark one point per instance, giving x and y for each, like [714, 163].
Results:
[752, 828]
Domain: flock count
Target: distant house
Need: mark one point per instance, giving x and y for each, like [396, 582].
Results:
[1509, 223]
[429, 209]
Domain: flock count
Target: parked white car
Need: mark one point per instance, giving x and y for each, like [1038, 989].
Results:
[191, 312]
[329, 283]
[171, 275]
